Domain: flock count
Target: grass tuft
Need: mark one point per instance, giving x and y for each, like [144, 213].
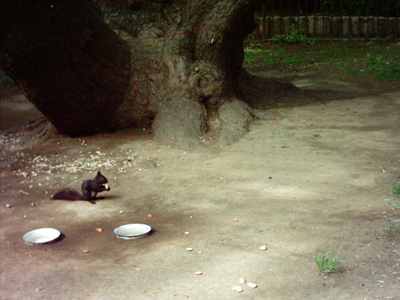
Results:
[396, 190]
[380, 61]
[327, 262]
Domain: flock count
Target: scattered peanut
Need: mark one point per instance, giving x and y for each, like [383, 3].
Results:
[252, 285]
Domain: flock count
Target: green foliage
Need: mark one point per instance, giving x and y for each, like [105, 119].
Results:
[261, 57]
[393, 228]
[380, 61]
[326, 262]
[396, 190]
[252, 36]
[382, 68]
[352, 71]
[293, 61]
[279, 39]
[293, 37]
[254, 46]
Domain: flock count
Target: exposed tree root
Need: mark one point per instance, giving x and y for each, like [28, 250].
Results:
[30, 135]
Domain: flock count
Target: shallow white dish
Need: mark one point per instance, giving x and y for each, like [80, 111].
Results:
[132, 231]
[41, 236]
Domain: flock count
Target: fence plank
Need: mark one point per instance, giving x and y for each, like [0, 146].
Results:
[346, 20]
[264, 35]
[359, 19]
[315, 19]
[397, 18]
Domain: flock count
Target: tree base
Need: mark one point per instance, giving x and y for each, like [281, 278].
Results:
[31, 134]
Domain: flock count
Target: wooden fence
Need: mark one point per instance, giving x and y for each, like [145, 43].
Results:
[329, 19]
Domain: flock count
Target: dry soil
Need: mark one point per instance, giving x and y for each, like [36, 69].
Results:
[303, 180]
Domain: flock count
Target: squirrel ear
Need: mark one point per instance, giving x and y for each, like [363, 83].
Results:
[98, 173]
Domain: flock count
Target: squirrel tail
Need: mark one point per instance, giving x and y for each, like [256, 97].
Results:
[67, 194]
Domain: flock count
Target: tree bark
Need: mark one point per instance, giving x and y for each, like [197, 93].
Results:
[51, 53]
[171, 64]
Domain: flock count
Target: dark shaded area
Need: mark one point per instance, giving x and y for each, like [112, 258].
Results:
[76, 83]
[172, 65]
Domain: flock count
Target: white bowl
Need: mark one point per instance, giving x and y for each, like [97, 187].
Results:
[132, 231]
[41, 236]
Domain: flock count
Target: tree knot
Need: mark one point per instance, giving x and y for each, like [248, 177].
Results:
[205, 80]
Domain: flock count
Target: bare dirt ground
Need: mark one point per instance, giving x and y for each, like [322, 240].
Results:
[303, 180]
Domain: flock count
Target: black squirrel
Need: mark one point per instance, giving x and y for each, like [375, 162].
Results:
[90, 188]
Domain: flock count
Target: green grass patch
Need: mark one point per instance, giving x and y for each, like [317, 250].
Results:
[262, 57]
[379, 61]
[383, 67]
[294, 60]
[392, 228]
[295, 36]
[327, 262]
[396, 189]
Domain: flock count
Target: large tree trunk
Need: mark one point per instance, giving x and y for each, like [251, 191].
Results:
[69, 63]
[175, 64]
